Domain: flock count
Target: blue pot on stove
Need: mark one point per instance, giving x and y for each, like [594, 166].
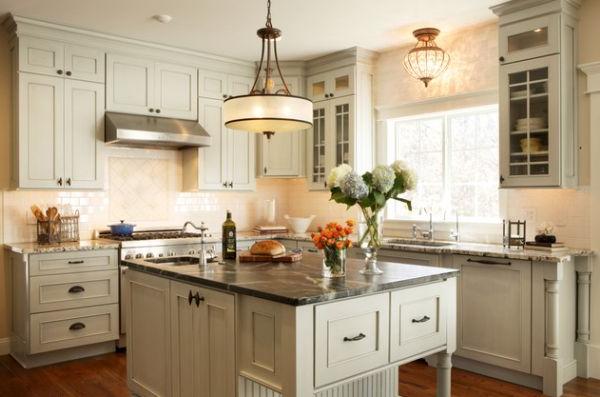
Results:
[122, 228]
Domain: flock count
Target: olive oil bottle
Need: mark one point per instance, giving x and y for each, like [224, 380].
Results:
[229, 240]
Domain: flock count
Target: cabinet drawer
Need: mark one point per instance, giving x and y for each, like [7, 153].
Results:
[68, 291]
[351, 337]
[71, 262]
[72, 328]
[418, 319]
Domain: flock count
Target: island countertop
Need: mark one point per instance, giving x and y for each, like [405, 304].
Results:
[295, 284]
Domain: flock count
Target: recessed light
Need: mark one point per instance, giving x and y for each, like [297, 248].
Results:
[163, 18]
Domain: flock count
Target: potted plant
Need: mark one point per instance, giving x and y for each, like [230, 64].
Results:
[370, 192]
[334, 240]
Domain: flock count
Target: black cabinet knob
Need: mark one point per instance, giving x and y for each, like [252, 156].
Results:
[68, 73]
[59, 182]
[157, 110]
[501, 179]
[151, 110]
[231, 185]
[59, 71]
[501, 59]
[68, 181]
[198, 299]
[331, 95]
[190, 297]
[224, 96]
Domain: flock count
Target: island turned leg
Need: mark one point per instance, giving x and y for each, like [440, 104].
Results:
[444, 369]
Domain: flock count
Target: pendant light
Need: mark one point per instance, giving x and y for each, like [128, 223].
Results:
[265, 110]
[426, 60]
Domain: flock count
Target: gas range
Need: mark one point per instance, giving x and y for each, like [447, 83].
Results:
[156, 243]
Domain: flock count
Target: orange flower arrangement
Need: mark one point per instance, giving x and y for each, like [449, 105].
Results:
[334, 236]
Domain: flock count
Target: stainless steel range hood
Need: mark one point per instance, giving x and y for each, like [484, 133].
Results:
[147, 131]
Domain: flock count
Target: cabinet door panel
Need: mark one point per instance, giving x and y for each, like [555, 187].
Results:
[341, 82]
[239, 85]
[342, 131]
[529, 128]
[40, 56]
[129, 84]
[84, 133]
[212, 84]
[242, 165]
[529, 39]
[176, 91]
[148, 335]
[494, 312]
[217, 330]
[41, 122]
[84, 63]
[185, 342]
[213, 159]
[317, 146]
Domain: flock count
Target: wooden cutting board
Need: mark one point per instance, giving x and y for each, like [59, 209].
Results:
[288, 257]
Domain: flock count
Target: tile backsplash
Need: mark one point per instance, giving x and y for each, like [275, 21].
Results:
[144, 187]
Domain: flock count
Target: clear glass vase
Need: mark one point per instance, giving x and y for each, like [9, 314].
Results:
[334, 262]
[370, 233]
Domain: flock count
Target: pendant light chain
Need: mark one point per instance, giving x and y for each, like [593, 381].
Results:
[269, 24]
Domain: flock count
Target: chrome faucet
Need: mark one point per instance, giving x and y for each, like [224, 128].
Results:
[454, 233]
[428, 235]
[203, 255]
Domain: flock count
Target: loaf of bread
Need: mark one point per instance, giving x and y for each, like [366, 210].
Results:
[267, 247]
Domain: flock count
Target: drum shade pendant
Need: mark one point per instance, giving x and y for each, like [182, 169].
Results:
[426, 60]
[266, 110]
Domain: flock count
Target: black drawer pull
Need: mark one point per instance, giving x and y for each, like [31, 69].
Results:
[190, 298]
[355, 338]
[77, 326]
[79, 262]
[198, 299]
[488, 262]
[76, 289]
[424, 319]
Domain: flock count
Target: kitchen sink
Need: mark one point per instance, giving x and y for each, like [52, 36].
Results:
[175, 260]
[420, 243]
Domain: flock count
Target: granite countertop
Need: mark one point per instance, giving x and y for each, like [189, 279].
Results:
[299, 283]
[83, 245]
[490, 250]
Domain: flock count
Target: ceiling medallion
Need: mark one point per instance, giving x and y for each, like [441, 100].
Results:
[265, 109]
[426, 60]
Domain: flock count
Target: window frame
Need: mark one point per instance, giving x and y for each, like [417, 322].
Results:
[390, 154]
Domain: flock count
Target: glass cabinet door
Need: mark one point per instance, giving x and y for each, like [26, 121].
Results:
[342, 127]
[317, 149]
[530, 39]
[529, 123]
[341, 82]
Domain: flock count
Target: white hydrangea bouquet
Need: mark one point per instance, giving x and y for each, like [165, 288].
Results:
[370, 192]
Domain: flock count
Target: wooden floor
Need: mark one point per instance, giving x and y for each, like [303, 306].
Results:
[104, 376]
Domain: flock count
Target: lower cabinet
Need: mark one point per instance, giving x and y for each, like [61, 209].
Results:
[179, 339]
[494, 311]
[202, 332]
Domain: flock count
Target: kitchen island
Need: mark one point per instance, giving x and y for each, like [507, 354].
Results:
[272, 329]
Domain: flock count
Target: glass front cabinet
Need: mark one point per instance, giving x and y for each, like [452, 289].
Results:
[538, 123]
[342, 131]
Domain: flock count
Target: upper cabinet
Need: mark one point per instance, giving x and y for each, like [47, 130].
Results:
[59, 59]
[141, 86]
[339, 82]
[283, 155]
[229, 162]
[59, 130]
[342, 108]
[538, 94]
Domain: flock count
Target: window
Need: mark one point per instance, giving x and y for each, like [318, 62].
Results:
[455, 157]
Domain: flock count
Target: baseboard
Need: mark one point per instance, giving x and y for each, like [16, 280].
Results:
[593, 361]
[569, 371]
[4, 346]
[507, 375]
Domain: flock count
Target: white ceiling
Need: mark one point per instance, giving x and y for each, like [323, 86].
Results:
[227, 27]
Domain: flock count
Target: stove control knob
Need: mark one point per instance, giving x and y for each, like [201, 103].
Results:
[171, 253]
[149, 255]
[192, 252]
[138, 256]
[128, 256]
